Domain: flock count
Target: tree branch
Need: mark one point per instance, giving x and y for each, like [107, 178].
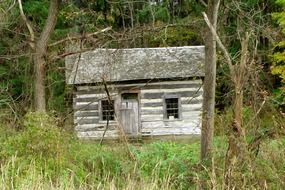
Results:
[79, 37]
[219, 42]
[203, 3]
[11, 6]
[49, 26]
[28, 24]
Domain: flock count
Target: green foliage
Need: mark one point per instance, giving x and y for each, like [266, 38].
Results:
[168, 159]
[57, 88]
[173, 36]
[279, 97]
[36, 11]
[56, 154]
[162, 14]
[268, 118]
[15, 82]
[278, 66]
[144, 15]
[38, 138]
[41, 152]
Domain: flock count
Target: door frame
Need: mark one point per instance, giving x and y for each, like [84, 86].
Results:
[138, 92]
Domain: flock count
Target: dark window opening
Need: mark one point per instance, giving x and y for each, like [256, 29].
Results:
[172, 108]
[108, 112]
[129, 96]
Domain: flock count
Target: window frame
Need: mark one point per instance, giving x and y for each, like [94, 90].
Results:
[169, 96]
[101, 110]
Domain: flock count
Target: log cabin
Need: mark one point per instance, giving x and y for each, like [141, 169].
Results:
[137, 92]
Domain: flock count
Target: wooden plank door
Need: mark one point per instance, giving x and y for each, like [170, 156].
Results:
[130, 116]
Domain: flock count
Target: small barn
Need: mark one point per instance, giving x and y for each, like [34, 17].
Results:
[137, 92]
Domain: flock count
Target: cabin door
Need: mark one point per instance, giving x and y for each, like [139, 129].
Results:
[130, 113]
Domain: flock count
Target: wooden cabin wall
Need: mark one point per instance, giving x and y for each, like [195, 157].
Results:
[151, 99]
[86, 113]
[152, 119]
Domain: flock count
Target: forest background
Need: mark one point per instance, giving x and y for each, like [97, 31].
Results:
[128, 24]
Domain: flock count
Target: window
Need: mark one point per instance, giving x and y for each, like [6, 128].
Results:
[107, 109]
[172, 106]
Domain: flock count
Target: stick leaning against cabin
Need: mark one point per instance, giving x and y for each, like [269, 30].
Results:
[122, 133]
[110, 102]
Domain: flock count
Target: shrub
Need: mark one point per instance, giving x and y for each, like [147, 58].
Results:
[168, 160]
[39, 140]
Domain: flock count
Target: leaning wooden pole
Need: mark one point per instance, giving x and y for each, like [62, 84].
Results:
[209, 83]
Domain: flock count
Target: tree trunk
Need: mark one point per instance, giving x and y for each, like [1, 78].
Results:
[237, 151]
[238, 104]
[39, 56]
[239, 78]
[209, 83]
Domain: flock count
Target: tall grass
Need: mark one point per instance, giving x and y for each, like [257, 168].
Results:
[13, 178]
[41, 156]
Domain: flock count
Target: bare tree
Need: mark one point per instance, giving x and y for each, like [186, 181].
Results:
[209, 82]
[39, 48]
[237, 153]
[39, 57]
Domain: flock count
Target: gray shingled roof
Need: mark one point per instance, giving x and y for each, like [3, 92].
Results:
[135, 64]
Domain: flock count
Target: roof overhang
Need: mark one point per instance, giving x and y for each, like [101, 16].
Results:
[135, 64]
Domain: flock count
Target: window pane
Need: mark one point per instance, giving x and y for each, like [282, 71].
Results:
[107, 110]
[172, 108]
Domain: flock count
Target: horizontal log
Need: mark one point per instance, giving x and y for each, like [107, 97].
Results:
[86, 107]
[157, 95]
[151, 117]
[191, 107]
[151, 112]
[170, 132]
[153, 100]
[141, 85]
[166, 87]
[87, 99]
[169, 86]
[160, 109]
[172, 90]
[91, 95]
[177, 127]
[86, 113]
[187, 116]
[93, 92]
[98, 87]
[152, 104]
[95, 127]
[183, 99]
[192, 115]
[86, 120]
[97, 134]
[160, 103]
[171, 124]
[85, 103]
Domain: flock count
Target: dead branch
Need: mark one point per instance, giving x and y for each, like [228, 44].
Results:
[11, 6]
[80, 37]
[120, 127]
[243, 60]
[106, 128]
[28, 24]
[110, 102]
[220, 44]
[71, 53]
[203, 3]
[77, 62]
